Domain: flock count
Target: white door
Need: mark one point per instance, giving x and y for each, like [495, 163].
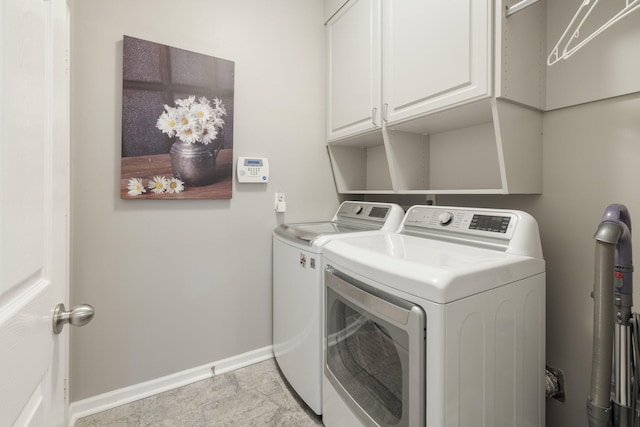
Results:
[34, 208]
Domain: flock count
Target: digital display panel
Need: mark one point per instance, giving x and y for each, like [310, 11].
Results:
[252, 162]
[378, 212]
[496, 224]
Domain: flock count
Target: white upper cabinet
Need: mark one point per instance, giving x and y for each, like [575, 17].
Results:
[401, 59]
[436, 97]
[435, 54]
[354, 70]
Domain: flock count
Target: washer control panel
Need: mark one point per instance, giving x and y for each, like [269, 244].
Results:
[364, 210]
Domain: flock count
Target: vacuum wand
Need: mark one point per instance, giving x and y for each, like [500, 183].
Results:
[612, 332]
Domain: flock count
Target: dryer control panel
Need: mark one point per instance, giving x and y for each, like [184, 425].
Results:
[503, 229]
[461, 221]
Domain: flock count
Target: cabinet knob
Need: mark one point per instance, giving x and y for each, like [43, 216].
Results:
[385, 111]
[374, 111]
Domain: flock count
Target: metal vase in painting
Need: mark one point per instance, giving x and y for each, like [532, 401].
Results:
[194, 164]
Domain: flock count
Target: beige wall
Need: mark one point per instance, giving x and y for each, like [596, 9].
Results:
[591, 159]
[177, 284]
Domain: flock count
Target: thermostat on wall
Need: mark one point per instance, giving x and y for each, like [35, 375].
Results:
[253, 169]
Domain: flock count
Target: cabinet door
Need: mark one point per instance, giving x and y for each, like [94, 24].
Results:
[353, 97]
[436, 55]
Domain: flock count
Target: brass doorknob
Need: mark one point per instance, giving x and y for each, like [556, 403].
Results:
[79, 315]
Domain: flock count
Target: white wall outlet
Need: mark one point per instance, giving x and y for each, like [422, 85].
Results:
[280, 204]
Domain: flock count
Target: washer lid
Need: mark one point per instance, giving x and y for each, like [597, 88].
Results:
[351, 217]
[434, 270]
[309, 231]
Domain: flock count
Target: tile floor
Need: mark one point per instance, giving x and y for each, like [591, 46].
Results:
[253, 396]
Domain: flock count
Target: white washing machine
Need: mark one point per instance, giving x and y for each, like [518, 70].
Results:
[441, 324]
[297, 288]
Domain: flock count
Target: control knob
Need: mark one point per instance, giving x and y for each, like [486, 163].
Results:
[445, 218]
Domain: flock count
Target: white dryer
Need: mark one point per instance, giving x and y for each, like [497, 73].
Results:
[297, 288]
[441, 324]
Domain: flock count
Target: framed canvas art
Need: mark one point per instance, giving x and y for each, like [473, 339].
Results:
[177, 123]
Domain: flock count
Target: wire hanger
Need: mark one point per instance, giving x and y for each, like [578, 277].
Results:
[573, 29]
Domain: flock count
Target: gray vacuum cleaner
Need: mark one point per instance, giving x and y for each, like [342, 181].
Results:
[614, 375]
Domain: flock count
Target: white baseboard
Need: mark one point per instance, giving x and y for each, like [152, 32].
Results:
[102, 402]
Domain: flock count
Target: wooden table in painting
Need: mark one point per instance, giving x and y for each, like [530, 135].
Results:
[146, 167]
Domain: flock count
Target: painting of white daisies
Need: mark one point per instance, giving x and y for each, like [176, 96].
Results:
[177, 123]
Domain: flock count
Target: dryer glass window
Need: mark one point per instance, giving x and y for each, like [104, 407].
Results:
[372, 359]
[365, 360]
